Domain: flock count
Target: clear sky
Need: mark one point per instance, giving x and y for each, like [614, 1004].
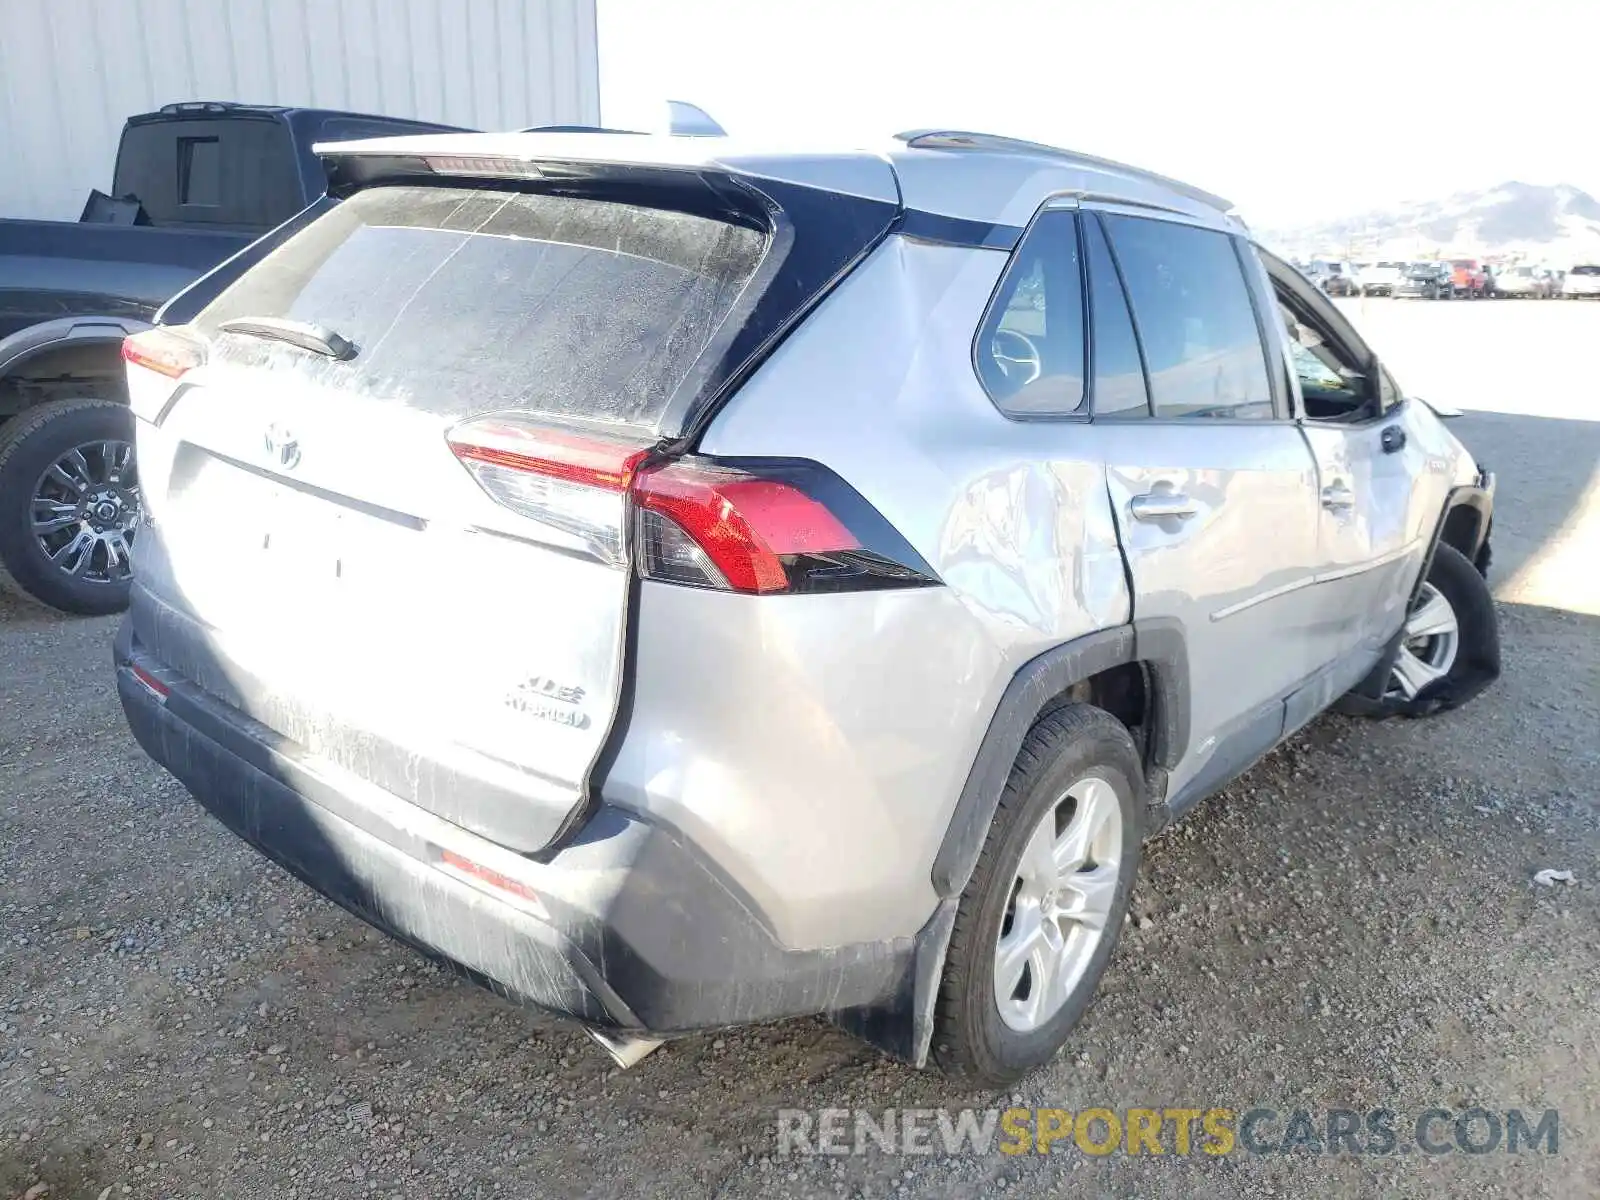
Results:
[1295, 111]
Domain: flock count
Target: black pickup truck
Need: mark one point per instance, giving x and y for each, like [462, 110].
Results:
[194, 185]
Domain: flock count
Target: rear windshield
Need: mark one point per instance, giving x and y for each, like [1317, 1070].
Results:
[1585, 270]
[469, 300]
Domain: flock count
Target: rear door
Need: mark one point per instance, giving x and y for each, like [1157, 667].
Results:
[410, 558]
[1213, 487]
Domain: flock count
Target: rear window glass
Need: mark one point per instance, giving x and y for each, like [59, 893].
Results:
[472, 300]
[1585, 270]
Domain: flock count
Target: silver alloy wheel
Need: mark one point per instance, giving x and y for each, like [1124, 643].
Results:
[1428, 649]
[85, 509]
[1061, 898]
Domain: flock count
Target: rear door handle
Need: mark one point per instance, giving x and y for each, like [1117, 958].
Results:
[1153, 506]
[1393, 439]
[1338, 498]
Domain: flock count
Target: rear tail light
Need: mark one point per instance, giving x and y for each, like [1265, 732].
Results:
[163, 351]
[157, 359]
[766, 527]
[759, 527]
[575, 485]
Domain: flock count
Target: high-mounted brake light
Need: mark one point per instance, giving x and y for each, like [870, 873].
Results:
[163, 351]
[482, 165]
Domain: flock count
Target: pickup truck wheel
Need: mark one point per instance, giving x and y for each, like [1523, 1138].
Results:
[69, 504]
[1040, 916]
[1451, 637]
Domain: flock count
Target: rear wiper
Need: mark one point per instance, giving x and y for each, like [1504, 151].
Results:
[318, 339]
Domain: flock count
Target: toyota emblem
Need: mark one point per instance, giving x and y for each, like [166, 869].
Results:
[282, 447]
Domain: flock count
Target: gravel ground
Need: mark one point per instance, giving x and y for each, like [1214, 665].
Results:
[1353, 924]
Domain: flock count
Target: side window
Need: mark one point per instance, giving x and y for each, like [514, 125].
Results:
[1030, 346]
[1119, 387]
[1198, 328]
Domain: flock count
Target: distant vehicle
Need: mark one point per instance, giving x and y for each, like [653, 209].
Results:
[1524, 283]
[1379, 279]
[1337, 278]
[1428, 280]
[1467, 278]
[1582, 282]
[194, 184]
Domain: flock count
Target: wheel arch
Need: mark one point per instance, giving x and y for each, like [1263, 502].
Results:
[66, 347]
[1103, 663]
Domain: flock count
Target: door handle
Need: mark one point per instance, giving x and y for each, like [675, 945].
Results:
[1153, 506]
[1338, 498]
[1393, 439]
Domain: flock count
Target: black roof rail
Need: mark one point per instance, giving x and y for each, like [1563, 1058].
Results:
[574, 129]
[964, 139]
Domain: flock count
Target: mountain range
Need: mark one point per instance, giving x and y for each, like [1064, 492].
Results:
[1514, 220]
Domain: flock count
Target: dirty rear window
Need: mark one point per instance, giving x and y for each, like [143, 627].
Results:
[467, 300]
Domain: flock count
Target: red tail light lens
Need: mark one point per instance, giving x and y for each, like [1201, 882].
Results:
[163, 351]
[594, 461]
[575, 485]
[766, 527]
[760, 527]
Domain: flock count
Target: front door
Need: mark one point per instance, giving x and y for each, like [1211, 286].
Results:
[1380, 478]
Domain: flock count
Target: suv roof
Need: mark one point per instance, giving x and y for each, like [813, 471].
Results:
[969, 176]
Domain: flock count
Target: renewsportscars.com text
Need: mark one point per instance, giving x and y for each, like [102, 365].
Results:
[1177, 1131]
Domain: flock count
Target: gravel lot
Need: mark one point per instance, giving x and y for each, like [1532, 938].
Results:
[1354, 924]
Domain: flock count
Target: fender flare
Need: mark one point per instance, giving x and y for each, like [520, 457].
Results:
[904, 1026]
[47, 336]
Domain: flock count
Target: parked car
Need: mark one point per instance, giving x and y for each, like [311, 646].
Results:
[1339, 278]
[1524, 282]
[1380, 279]
[1430, 280]
[1582, 281]
[1467, 278]
[194, 184]
[526, 574]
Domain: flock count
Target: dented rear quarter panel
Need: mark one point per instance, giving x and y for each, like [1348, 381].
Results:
[836, 744]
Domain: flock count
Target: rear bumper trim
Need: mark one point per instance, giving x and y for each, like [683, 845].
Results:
[630, 927]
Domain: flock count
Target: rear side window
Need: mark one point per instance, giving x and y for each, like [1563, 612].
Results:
[237, 172]
[472, 300]
[1195, 319]
[1030, 346]
[1119, 387]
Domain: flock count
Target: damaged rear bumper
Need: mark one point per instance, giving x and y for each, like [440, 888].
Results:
[626, 928]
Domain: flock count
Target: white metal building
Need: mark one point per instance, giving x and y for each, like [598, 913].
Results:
[71, 71]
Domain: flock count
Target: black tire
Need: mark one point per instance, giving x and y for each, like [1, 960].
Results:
[970, 1040]
[29, 443]
[1477, 661]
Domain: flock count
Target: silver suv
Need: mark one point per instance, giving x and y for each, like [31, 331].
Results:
[681, 586]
